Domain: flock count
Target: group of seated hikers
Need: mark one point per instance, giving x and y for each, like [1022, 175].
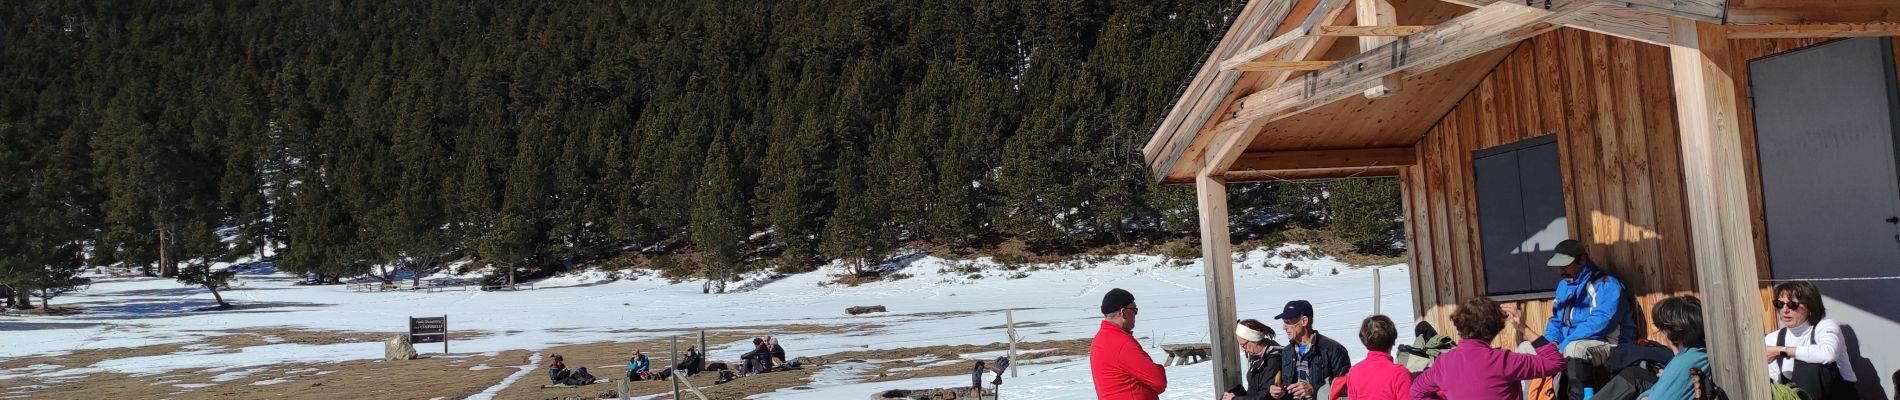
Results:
[766, 356]
[1590, 332]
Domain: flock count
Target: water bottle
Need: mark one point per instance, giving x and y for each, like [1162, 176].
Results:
[1589, 392]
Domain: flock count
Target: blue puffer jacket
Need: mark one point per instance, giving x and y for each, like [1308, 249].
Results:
[1590, 307]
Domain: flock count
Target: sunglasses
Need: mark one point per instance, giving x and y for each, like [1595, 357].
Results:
[1792, 305]
[1132, 309]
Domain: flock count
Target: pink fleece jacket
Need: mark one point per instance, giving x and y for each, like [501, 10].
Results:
[1475, 370]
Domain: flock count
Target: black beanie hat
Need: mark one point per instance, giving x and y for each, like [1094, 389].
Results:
[1115, 300]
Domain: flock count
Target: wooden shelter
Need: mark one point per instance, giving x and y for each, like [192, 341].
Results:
[1684, 141]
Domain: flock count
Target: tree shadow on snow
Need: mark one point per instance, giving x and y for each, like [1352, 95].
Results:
[35, 326]
[178, 308]
[175, 292]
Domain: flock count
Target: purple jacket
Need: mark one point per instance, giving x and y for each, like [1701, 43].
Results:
[1474, 370]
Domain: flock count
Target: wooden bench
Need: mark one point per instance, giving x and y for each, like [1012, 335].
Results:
[1185, 354]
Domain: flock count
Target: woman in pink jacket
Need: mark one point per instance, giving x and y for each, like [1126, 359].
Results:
[1474, 370]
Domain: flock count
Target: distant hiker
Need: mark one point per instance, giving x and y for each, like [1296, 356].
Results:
[1808, 353]
[757, 361]
[1311, 361]
[1120, 368]
[558, 372]
[1475, 370]
[1587, 318]
[1263, 360]
[692, 363]
[638, 368]
[1376, 377]
[777, 359]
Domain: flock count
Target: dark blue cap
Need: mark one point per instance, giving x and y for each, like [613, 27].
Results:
[1296, 308]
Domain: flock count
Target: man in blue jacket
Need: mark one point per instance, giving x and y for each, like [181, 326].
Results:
[1588, 318]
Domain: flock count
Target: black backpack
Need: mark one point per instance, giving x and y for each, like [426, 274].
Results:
[1819, 381]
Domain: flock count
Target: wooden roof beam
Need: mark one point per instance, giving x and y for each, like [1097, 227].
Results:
[1310, 174]
[1646, 27]
[1834, 30]
[1296, 41]
[1485, 29]
[1238, 134]
[1283, 65]
[1375, 15]
[1819, 13]
[1371, 30]
[1209, 89]
[1314, 159]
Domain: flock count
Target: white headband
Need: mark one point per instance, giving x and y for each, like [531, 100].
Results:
[1248, 333]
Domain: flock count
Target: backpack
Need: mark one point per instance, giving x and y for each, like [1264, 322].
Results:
[579, 377]
[1810, 380]
[1544, 388]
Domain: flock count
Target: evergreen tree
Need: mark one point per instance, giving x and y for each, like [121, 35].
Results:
[1367, 213]
[859, 230]
[721, 217]
[203, 247]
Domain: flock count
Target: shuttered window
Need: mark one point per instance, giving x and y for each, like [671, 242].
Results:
[1520, 214]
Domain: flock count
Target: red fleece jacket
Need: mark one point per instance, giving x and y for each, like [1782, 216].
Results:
[1121, 369]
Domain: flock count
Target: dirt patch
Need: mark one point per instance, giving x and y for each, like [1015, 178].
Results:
[87, 357]
[932, 361]
[453, 376]
[1020, 325]
[242, 338]
[746, 331]
[608, 360]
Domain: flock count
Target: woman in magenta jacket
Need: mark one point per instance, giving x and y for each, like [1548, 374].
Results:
[1475, 370]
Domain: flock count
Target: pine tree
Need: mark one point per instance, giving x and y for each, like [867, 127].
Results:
[203, 247]
[720, 217]
[1367, 213]
[859, 230]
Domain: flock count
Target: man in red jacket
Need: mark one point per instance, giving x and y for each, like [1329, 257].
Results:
[1122, 370]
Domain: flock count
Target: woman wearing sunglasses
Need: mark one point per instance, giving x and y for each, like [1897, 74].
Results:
[1808, 350]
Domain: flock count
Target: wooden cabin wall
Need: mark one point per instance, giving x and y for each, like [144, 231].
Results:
[1611, 103]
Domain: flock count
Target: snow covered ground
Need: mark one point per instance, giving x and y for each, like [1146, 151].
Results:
[940, 304]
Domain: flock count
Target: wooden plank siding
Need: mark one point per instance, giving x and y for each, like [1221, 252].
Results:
[1610, 101]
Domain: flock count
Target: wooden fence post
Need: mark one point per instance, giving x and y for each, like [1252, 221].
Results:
[1010, 317]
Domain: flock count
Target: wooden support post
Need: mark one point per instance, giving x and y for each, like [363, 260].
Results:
[1009, 319]
[1377, 16]
[675, 376]
[1376, 293]
[702, 349]
[1218, 258]
[1254, 66]
[1705, 77]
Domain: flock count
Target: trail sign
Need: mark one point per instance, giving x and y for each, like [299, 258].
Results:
[430, 330]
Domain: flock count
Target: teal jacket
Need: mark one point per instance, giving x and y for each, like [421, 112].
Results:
[1675, 383]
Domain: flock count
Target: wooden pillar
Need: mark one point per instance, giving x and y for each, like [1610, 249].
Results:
[1377, 13]
[1217, 255]
[1704, 74]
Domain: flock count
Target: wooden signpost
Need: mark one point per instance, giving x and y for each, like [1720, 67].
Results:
[430, 330]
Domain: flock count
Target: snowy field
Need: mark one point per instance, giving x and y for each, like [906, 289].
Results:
[939, 304]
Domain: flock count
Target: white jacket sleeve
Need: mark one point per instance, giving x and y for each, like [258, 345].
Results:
[1827, 343]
